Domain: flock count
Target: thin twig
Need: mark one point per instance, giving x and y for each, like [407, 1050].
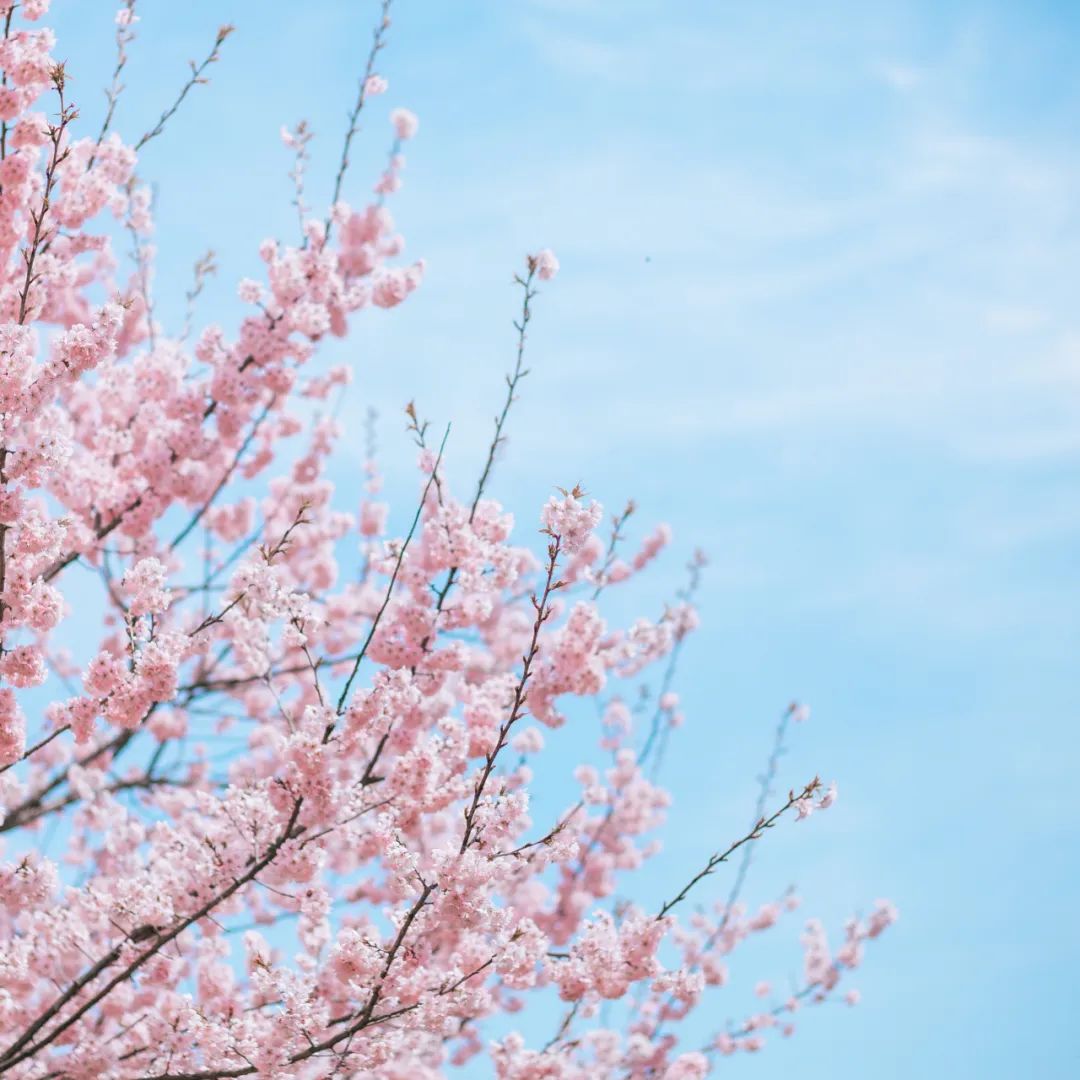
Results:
[196, 79]
[124, 36]
[390, 588]
[754, 834]
[764, 791]
[377, 45]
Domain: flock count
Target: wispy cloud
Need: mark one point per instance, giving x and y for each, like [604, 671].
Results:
[899, 76]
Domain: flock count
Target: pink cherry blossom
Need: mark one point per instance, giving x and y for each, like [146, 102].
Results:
[545, 263]
[571, 519]
[275, 767]
[145, 581]
[405, 123]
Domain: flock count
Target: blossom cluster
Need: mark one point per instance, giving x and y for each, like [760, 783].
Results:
[294, 763]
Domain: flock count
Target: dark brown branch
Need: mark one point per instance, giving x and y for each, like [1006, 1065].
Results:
[764, 791]
[196, 78]
[24, 1047]
[543, 613]
[754, 834]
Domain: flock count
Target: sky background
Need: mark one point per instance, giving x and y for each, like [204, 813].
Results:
[817, 310]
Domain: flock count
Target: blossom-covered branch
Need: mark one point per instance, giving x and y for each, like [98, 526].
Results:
[270, 759]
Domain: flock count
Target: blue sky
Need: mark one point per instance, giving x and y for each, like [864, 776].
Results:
[817, 310]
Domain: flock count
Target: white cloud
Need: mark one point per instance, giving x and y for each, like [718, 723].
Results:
[900, 77]
[1015, 318]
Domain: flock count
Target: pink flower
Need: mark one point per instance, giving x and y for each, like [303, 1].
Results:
[405, 123]
[145, 582]
[725, 1044]
[24, 666]
[882, 917]
[12, 728]
[545, 264]
[571, 519]
[690, 1066]
[373, 518]
[249, 291]
[528, 741]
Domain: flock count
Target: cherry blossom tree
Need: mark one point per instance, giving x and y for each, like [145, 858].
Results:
[273, 818]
